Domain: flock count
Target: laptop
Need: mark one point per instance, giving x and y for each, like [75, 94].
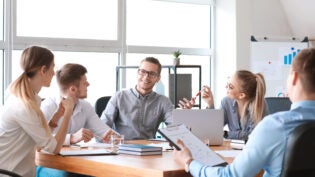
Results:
[206, 124]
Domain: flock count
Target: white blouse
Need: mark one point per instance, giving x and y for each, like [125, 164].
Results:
[21, 131]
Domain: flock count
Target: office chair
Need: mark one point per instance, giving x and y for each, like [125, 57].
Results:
[9, 173]
[100, 105]
[276, 104]
[300, 152]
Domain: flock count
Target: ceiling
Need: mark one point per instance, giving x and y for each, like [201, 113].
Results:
[300, 15]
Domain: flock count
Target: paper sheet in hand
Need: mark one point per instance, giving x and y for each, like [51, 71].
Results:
[86, 152]
[199, 150]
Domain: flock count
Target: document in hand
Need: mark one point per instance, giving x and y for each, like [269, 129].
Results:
[199, 150]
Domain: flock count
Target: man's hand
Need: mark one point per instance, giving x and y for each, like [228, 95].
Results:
[187, 104]
[107, 135]
[83, 134]
[182, 156]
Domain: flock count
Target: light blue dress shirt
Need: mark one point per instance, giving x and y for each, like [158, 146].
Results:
[236, 131]
[265, 147]
[136, 116]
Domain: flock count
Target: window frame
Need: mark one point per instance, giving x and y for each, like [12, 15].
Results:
[13, 42]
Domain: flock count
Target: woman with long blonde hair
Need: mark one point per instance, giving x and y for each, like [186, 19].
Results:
[23, 127]
[244, 106]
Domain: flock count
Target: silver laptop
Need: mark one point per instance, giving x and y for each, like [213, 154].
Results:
[206, 124]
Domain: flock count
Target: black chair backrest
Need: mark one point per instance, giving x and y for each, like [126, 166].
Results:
[276, 104]
[300, 152]
[100, 105]
[9, 173]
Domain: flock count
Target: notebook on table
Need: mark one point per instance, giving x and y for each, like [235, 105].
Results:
[86, 152]
[206, 124]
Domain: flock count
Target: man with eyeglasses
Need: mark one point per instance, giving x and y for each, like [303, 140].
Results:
[137, 112]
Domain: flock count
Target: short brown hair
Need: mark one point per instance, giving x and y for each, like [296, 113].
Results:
[154, 61]
[70, 74]
[304, 65]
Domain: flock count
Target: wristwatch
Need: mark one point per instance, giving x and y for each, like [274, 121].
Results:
[187, 163]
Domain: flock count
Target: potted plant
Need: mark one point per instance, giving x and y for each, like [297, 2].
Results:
[176, 54]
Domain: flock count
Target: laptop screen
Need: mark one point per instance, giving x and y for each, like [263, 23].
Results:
[206, 124]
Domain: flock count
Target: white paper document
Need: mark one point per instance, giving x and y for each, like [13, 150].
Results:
[199, 150]
[229, 153]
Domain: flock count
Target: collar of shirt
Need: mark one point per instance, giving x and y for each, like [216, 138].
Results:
[306, 103]
[38, 99]
[138, 95]
[77, 106]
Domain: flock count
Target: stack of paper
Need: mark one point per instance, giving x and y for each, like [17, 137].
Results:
[237, 144]
[139, 149]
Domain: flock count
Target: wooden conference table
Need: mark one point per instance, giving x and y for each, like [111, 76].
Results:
[122, 164]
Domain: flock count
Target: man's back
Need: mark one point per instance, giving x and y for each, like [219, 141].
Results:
[267, 143]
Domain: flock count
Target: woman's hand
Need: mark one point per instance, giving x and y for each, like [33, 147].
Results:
[68, 104]
[207, 96]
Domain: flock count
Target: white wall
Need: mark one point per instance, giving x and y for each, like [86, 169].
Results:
[236, 21]
[225, 45]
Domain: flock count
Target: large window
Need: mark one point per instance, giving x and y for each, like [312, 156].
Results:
[99, 66]
[103, 34]
[78, 19]
[161, 23]
[1, 53]
[1, 21]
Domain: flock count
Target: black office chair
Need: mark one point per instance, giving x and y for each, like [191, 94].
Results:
[276, 104]
[9, 173]
[100, 105]
[300, 153]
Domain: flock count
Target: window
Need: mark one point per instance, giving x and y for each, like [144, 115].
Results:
[1, 53]
[104, 34]
[100, 83]
[77, 19]
[171, 24]
[1, 20]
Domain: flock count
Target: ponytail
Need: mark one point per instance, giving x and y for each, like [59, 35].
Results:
[32, 60]
[21, 88]
[253, 85]
[258, 104]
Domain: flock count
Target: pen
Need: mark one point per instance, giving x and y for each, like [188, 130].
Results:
[198, 94]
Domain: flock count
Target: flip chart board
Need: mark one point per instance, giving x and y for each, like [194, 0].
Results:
[273, 58]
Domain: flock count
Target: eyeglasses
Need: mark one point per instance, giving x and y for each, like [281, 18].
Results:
[150, 74]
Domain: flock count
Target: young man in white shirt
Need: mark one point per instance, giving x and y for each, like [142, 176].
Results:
[84, 123]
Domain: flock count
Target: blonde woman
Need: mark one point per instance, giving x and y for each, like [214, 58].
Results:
[244, 105]
[23, 127]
